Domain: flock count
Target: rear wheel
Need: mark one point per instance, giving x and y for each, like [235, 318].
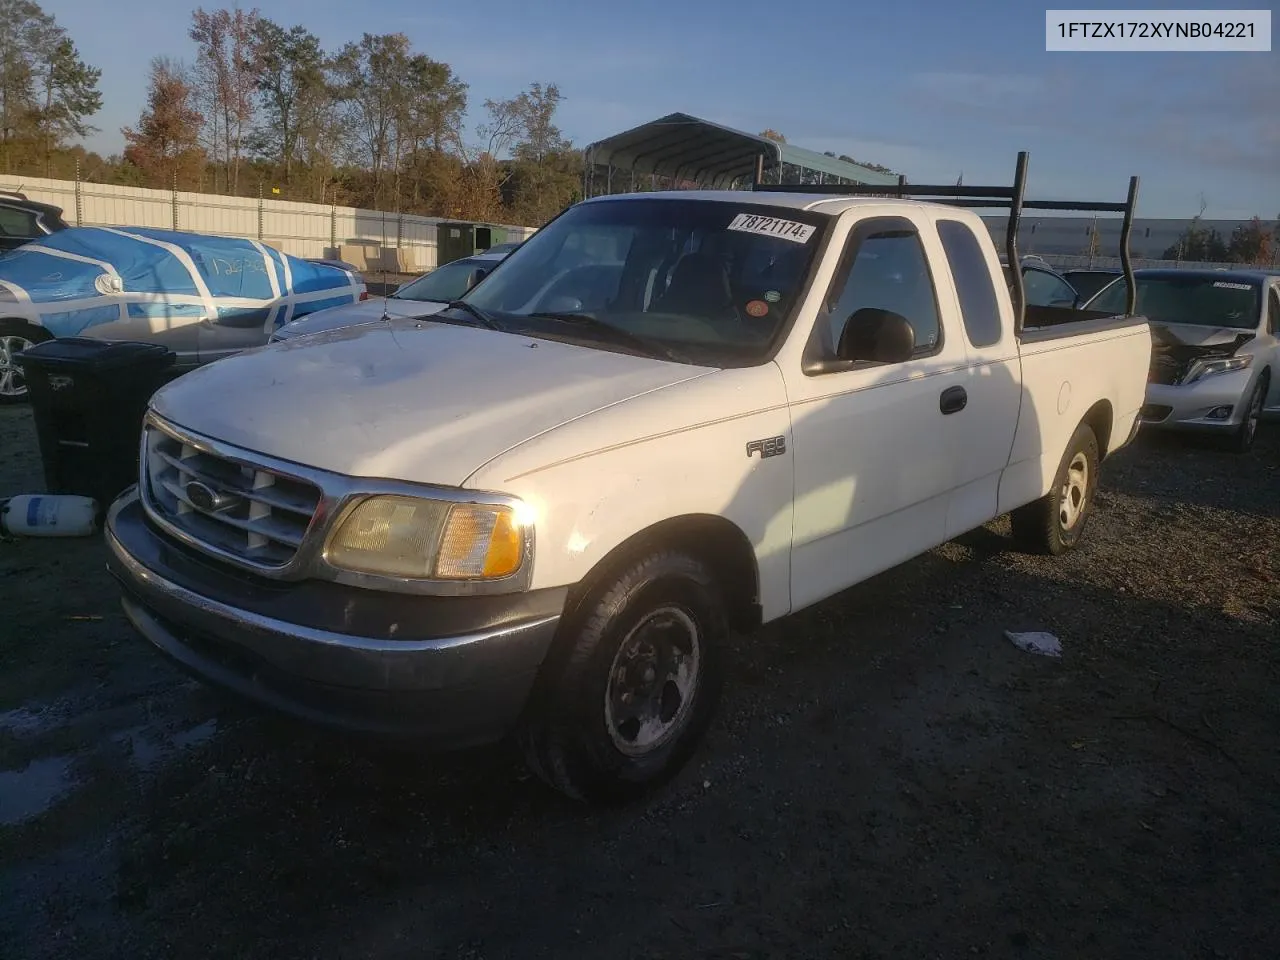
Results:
[1055, 523]
[16, 336]
[1242, 440]
[632, 683]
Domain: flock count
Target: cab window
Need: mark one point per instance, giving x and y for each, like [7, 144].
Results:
[885, 270]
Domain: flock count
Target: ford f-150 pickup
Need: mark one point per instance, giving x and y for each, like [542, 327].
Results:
[669, 416]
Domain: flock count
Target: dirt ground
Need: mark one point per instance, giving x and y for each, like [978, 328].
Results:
[888, 777]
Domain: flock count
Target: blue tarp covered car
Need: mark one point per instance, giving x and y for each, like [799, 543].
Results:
[202, 296]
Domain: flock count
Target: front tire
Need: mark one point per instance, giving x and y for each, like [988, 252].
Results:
[1242, 440]
[632, 682]
[16, 336]
[1055, 523]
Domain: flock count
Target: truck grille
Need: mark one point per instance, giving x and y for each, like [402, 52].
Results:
[236, 508]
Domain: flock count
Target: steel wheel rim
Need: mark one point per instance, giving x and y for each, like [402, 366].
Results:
[1075, 492]
[653, 680]
[13, 383]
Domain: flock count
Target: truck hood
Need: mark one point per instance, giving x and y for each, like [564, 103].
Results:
[364, 311]
[423, 402]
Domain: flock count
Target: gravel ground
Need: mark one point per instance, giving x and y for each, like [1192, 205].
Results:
[888, 776]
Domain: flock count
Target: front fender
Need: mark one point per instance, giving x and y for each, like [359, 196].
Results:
[596, 482]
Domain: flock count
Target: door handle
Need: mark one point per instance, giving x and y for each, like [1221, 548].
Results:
[953, 400]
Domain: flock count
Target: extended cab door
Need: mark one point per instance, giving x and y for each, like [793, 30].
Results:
[982, 439]
[873, 468]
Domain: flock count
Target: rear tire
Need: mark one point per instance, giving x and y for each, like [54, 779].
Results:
[632, 682]
[1243, 439]
[16, 336]
[1056, 522]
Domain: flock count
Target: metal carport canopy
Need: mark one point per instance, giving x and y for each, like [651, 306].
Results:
[684, 147]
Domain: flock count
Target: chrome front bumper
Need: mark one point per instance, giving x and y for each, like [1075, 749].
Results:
[451, 670]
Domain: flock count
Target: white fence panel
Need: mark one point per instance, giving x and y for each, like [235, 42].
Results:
[376, 240]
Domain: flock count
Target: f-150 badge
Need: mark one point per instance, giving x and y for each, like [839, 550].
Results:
[772, 447]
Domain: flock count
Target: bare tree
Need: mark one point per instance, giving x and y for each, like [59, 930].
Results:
[227, 82]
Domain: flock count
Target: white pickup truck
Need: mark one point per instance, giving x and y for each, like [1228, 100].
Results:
[666, 417]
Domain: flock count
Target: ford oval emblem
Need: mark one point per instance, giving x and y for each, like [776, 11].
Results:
[204, 497]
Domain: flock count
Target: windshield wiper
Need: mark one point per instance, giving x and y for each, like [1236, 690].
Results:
[476, 312]
[617, 334]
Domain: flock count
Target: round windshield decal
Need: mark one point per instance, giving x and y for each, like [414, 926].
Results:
[757, 308]
[773, 296]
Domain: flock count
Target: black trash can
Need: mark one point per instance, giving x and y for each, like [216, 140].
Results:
[88, 398]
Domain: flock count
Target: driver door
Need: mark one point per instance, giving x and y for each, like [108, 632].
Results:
[873, 472]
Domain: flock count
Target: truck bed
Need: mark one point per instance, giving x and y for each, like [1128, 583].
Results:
[1053, 323]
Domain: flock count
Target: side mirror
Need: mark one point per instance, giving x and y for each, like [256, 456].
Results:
[880, 336]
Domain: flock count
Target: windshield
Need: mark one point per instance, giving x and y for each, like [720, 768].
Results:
[708, 281]
[1199, 300]
[443, 284]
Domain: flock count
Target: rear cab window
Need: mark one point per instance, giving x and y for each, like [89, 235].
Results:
[979, 307]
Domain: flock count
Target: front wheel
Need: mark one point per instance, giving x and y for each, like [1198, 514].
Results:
[1055, 523]
[1242, 440]
[16, 336]
[632, 682]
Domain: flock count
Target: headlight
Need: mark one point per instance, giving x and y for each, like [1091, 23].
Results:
[423, 539]
[1207, 368]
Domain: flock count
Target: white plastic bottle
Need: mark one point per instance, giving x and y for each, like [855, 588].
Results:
[49, 515]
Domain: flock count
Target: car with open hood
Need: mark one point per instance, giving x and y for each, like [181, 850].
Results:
[1215, 348]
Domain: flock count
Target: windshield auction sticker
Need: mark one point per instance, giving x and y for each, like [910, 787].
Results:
[1158, 31]
[773, 227]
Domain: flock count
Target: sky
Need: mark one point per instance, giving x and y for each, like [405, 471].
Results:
[932, 89]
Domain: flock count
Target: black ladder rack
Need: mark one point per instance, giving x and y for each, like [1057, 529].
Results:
[1013, 198]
